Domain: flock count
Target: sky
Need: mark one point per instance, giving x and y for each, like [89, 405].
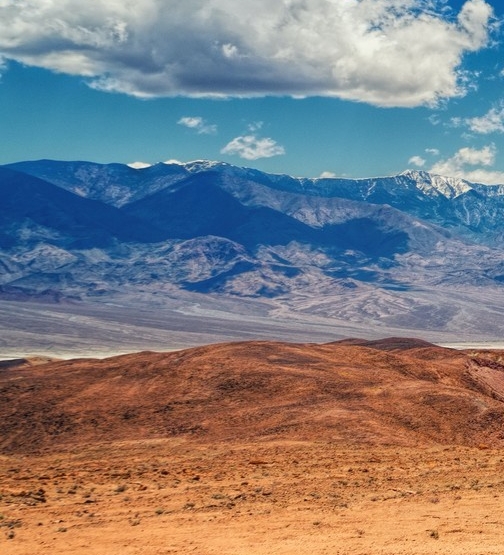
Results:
[350, 88]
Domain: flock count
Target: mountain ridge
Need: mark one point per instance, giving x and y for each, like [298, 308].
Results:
[471, 209]
[413, 251]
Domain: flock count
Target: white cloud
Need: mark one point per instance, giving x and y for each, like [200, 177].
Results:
[327, 175]
[491, 122]
[251, 147]
[464, 164]
[198, 124]
[384, 52]
[432, 151]
[472, 156]
[139, 165]
[417, 161]
[173, 161]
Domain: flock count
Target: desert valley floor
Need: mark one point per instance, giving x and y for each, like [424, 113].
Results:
[177, 496]
[353, 447]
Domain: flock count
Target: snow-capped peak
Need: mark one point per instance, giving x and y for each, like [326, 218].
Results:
[196, 166]
[449, 187]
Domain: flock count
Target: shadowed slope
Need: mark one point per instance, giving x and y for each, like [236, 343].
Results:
[199, 206]
[27, 202]
[410, 393]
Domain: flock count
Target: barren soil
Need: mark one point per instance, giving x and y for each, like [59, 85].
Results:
[388, 447]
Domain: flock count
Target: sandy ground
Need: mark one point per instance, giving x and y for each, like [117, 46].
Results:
[389, 447]
[181, 496]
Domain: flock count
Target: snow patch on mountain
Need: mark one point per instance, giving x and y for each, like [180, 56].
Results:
[429, 184]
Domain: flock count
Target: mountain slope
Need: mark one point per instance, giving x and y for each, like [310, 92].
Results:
[114, 184]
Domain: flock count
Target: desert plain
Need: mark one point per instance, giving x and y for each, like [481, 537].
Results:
[353, 447]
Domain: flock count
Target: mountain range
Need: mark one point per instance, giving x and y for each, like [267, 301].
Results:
[413, 252]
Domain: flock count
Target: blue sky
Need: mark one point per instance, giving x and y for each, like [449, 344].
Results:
[351, 88]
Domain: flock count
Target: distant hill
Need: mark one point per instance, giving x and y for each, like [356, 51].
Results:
[396, 391]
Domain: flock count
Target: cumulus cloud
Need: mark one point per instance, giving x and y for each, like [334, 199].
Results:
[417, 161]
[327, 175]
[471, 164]
[251, 147]
[383, 52]
[491, 122]
[198, 124]
[432, 151]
